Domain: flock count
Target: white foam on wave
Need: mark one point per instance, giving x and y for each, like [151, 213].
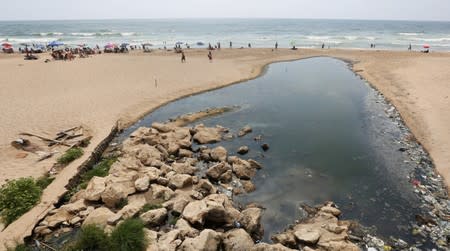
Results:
[441, 39]
[127, 34]
[30, 40]
[82, 34]
[409, 34]
[317, 37]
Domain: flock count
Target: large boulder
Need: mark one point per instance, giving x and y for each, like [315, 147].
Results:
[162, 127]
[184, 168]
[95, 188]
[161, 192]
[155, 217]
[152, 238]
[195, 212]
[75, 207]
[185, 229]
[237, 240]
[243, 169]
[113, 194]
[219, 153]
[61, 215]
[146, 154]
[307, 236]
[142, 183]
[251, 221]
[169, 241]
[99, 217]
[215, 171]
[206, 135]
[180, 181]
[208, 240]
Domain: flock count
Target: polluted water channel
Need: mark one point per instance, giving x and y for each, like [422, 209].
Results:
[330, 139]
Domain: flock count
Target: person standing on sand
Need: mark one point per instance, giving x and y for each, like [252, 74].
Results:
[210, 56]
[276, 45]
[409, 47]
[183, 57]
[231, 44]
[249, 45]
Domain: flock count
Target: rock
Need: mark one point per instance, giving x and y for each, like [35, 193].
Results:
[161, 192]
[219, 154]
[243, 170]
[268, 247]
[61, 215]
[169, 241]
[164, 128]
[185, 228]
[184, 168]
[113, 194]
[130, 210]
[206, 135]
[265, 147]
[307, 236]
[331, 210]
[114, 219]
[162, 181]
[215, 171]
[155, 217]
[208, 240]
[185, 153]
[124, 179]
[180, 181]
[237, 240]
[75, 207]
[179, 203]
[99, 217]
[152, 238]
[250, 220]
[85, 213]
[243, 150]
[248, 186]
[75, 220]
[142, 184]
[95, 188]
[286, 239]
[245, 130]
[146, 154]
[226, 177]
[339, 245]
[205, 187]
[42, 230]
[254, 164]
[195, 212]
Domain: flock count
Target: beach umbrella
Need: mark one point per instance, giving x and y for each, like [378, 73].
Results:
[200, 43]
[6, 44]
[55, 43]
[177, 43]
[124, 44]
[147, 44]
[426, 46]
[110, 46]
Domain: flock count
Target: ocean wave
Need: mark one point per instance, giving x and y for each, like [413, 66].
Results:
[47, 34]
[126, 34]
[317, 37]
[410, 33]
[82, 34]
[30, 40]
[441, 39]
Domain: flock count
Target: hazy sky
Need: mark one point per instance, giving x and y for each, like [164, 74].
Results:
[339, 9]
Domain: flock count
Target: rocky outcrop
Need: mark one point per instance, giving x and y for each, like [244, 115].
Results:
[184, 197]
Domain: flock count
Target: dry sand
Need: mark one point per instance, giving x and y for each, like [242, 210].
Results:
[97, 92]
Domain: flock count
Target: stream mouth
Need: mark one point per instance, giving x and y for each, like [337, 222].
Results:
[330, 139]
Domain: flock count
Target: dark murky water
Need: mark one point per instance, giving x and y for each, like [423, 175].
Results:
[329, 138]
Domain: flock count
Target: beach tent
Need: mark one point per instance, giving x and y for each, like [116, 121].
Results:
[55, 43]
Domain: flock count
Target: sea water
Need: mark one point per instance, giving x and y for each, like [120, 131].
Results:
[396, 35]
[330, 139]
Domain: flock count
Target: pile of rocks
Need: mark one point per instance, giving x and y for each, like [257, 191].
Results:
[188, 197]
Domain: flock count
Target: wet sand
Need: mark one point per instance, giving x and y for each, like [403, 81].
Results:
[99, 91]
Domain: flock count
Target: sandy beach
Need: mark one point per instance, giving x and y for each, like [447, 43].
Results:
[103, 90]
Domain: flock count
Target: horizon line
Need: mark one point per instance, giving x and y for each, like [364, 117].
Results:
[216, 18]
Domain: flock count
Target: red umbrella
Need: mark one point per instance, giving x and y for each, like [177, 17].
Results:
[426, 46]
[6, 44]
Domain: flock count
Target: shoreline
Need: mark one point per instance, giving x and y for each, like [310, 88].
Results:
[255, 71]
